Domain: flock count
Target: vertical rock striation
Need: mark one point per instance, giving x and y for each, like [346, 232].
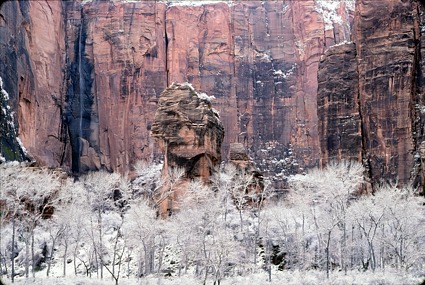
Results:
[387, 97]
[260, 60]
[88, 86]
[32, 56]
[116, 71]
[338, 106]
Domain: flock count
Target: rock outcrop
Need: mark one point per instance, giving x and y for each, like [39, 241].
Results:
[239, 157]
[189, 133]
[85, 78]
[387, 98]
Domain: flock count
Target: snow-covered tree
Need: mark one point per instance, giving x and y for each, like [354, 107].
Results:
[328, 193]
[29, 195]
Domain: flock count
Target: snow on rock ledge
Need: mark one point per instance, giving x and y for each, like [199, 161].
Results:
[189, 134]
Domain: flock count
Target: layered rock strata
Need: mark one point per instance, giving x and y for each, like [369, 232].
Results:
[189, 133]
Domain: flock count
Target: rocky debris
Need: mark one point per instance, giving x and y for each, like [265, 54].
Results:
[238, 153]
[189, 133]
[238, 156]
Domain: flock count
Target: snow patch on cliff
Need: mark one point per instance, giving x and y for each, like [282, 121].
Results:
[202, 96]
[21, 145]
[329, 11]
[284, 74]
[205, 97]
[5, 108]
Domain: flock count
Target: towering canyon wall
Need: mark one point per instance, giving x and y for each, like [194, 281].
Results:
[116, 71]
[32, 56]
[372, 108]
[85, 78]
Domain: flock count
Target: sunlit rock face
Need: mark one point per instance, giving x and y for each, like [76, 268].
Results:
[189, 133]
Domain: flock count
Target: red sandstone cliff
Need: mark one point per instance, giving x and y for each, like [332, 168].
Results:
[377, 83]
[92, 81]
[32, 56]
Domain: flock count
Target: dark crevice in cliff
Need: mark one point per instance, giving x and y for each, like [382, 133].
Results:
[166, 50]
[418, 84]
[63, 129]
[365, 153]
[79, 98]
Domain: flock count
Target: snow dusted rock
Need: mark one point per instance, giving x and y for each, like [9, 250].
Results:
[189, 133]
[85, 87]
[11, 147]
[370, 92]
[238, 156]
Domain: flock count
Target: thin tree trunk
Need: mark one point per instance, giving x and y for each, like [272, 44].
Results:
[32, 253]
[147, 259]
[327, 255]
[269, 265]
[49, 263]
[75, 259]
[27, 257]
[100, 252]
[64, 259]
[401, 253]
[13, 248]
[303, 242]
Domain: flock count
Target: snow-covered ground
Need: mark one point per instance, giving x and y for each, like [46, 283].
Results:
[261, 278]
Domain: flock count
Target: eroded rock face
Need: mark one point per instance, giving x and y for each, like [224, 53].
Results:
[387, 98]
[338, 107]
[116, 70]
[88, 85]
[189, 133]
[32, 50]
[385, 42]
[260, 60]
